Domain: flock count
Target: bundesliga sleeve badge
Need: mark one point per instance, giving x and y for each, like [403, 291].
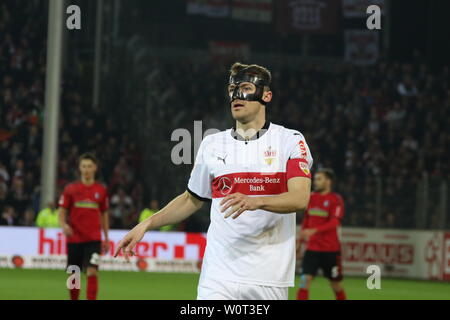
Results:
[304, 167]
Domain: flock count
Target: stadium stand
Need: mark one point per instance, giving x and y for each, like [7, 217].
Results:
[22, 70]
[371, 124]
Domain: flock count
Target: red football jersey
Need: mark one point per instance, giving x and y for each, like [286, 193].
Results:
[85, 205]
[324, 211]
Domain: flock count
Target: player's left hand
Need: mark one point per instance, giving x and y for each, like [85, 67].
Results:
[298, 247]
[105, 245]
[238, 203]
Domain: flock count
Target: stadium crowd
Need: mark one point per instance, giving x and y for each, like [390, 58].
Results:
[379, 127]
[22, 75]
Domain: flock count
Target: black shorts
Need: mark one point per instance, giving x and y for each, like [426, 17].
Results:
[84, 254]
[329, 262]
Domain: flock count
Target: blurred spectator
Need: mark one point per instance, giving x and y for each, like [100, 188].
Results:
[130, 218]
[8, 217]
[390, 220]
[4, 173]
[48, 217]
[29, 218]
[406, 87]
[137, 195]
[18, 196]
[22, 76]
[3, 190]
[122, 174]
[19, 169]
[120, 208]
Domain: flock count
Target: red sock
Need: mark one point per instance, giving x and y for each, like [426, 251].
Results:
[92, 288]
[302, 294]
[74, 294]
[341, 295]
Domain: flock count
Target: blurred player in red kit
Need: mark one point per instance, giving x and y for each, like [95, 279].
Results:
[320, 231]
[86, 202]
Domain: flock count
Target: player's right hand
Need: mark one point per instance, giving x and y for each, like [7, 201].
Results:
[128, 243]
[67, 230]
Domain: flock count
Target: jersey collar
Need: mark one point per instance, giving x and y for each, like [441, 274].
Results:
[258, 135]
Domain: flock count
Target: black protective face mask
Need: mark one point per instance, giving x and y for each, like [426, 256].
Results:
[241, 77]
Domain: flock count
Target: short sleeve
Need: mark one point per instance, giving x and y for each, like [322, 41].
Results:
[65, 200]
[338, 208]
[199, 184]
[104, 204]
[300, 159]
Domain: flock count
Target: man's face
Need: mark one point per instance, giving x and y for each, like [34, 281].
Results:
[29, 215]
[242, 110]
[88, 169]
[321, 182]
[154, 205]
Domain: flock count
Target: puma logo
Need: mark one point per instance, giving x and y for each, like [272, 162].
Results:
[222, 159]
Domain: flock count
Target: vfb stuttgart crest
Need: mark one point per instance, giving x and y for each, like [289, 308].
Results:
[270, 156]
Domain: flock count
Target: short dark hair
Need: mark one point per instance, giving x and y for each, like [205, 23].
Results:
[252, 69]
[328, 172]
[88, 156]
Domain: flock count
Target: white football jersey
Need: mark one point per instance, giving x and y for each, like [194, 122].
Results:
[258, 247]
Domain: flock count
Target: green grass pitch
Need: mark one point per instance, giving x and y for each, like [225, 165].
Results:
[50, 284]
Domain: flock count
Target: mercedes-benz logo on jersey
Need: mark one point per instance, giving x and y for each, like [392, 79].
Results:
[225, 185]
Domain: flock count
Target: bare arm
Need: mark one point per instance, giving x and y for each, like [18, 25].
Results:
[105, 227]
[62, 217]
[175, 211]
[105, 224]
[67, 230]
[296, 199]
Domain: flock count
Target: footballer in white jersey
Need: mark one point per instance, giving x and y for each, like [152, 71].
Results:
[256, 175]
